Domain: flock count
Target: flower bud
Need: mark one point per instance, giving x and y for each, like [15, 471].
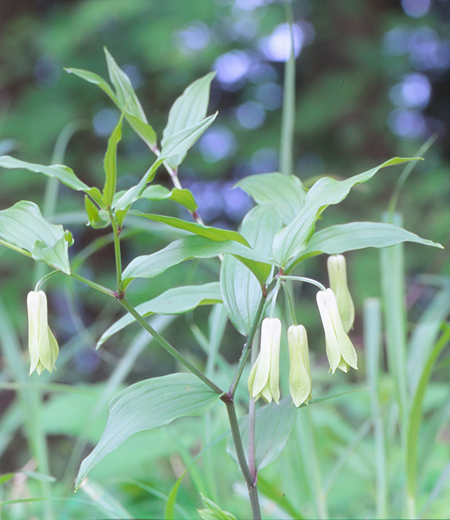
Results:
[264, 375]
[340, 351]
[42, 344]
[337, 274]
[300, 372]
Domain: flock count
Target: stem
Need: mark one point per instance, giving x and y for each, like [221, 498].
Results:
[93, 285]
[252, 424]
[303, 279]
[168, 347]
[291, 305]
[44, 279]
[176, 182]
[117, 251]
[249, 479]
[288, 112]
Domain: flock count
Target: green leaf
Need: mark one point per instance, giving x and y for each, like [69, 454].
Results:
[178, 143]
[127, 99]
[23, 226]
[139, 125]
[124, 203]
[213, 233]
[183, 197]
[59, 171]
[95, 79]
[146, 405]
[241, 291]
[189, 109]
[110, 164]
[174, 301]
[98, 219]
[415, 416]
[358, 235]
[293, 239]
[5, 477]
[214, 512]
[143, 129]
[274, 423]
[285, 192]
[191, 247]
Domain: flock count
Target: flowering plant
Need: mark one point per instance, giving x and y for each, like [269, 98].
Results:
[274, 238]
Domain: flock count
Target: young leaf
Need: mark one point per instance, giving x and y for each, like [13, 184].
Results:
[126, 96]
[183, 197]
[198, 229]
[179, 142]
[285, 192]
[23, 226]
[191, 247]
[189, 109]
[98, 219]
[59, 171]
[110, 164]
[95, 79]
[146, 405]
[293, 239]
[141, 127]
[241, 291]
[274, 423]
[357, 235]
[176, 144]
[174, 301]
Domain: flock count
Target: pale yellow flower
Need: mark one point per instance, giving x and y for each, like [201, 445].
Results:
[300, 372]
[340, 351]
[264, 375]
[42, 344]
[337, 274]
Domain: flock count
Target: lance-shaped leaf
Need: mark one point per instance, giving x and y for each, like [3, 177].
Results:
[198, 229]
[146, 405]
[274, 423]
[174, 301]
[59, 171]
[95, 79]
[241, 290]
[125, 100]
[124, 90]
[183, 196]
[110, 164]
[357, 235]
[285, 192]
[293, 239]
[23, 226]
[189, 109]
[192, 247]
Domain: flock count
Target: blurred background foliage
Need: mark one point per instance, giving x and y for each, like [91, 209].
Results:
[372, 82]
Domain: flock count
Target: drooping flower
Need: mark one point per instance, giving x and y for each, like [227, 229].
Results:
[264, 375]
[337, 274]
[340, 351]
[300, 372]
[42, 344]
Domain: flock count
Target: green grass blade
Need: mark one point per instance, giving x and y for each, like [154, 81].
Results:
[373, 348]
[415, 418]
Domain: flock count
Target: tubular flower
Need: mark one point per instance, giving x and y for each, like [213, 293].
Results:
[337, 274]
[264, 375]
[340, 351]
[42, 344]
[300, 372]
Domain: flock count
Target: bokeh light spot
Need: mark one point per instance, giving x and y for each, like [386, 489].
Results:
[250, 115]
[277, 46]
[217, 143]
